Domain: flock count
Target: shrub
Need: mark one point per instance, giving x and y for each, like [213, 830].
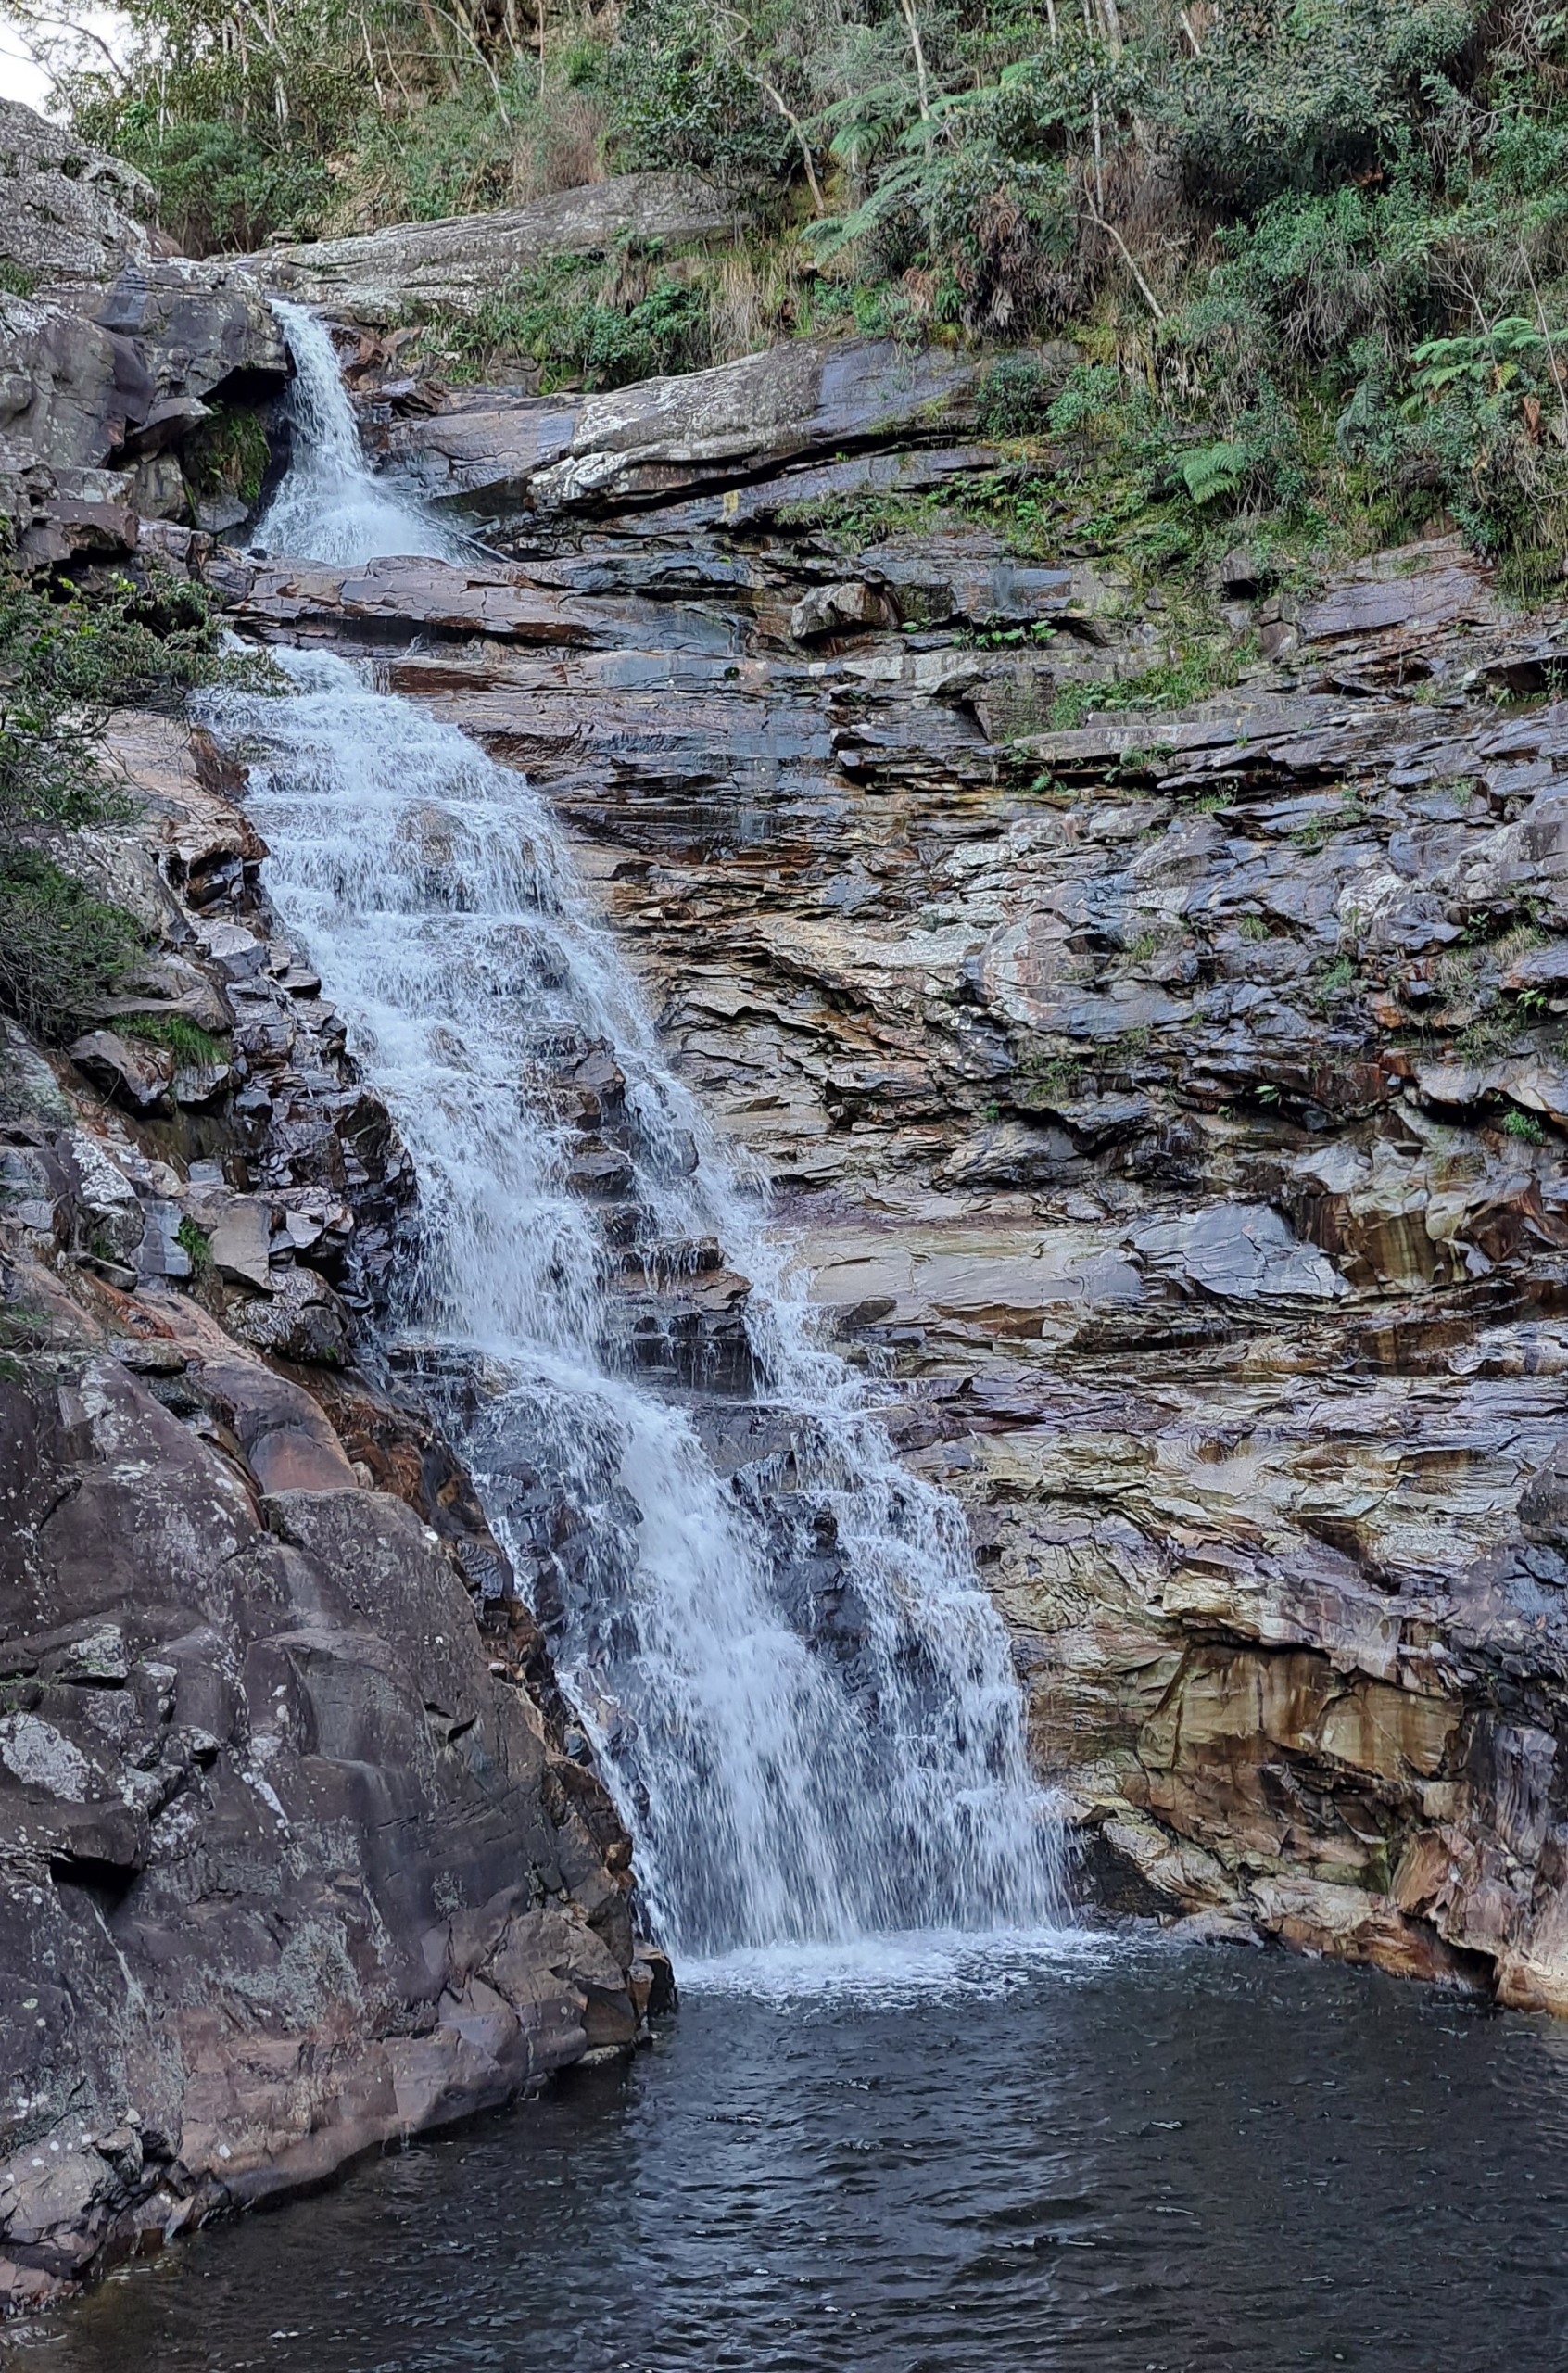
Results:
[196, 1245]
[558, 315]
[61, 948]
[1332, 91]
[683, 98]
[228, 455]
[1016, 398]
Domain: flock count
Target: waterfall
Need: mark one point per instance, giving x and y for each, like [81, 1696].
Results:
[330, 505]
[771, 1630]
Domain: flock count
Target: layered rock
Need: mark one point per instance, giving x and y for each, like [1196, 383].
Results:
[453, 265]
[1174, 1103]
[663, 438]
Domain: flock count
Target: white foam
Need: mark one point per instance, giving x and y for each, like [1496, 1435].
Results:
[893, 1971]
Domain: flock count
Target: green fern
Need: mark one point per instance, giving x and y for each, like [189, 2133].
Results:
[1212, 470]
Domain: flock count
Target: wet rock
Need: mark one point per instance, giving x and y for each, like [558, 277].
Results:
[447, 599]
[334, 1692]
[1118, 1117]
[1543, 1506]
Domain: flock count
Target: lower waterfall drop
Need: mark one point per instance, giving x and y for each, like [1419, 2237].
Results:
[771, 1630]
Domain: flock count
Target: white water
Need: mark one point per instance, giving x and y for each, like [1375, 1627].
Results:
[790, 1779]
[330, 505]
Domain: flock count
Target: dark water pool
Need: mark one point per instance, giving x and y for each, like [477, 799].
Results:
[1126, 2157]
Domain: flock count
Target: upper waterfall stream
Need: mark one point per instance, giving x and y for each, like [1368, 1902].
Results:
[772, 1631]
[330, 505]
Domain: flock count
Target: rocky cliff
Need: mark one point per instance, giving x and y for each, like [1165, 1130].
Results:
[1174, 1103]
[124, 369]
[1171, 1105]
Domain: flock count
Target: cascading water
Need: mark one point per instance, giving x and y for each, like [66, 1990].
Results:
[330, 505]
[798, 1692]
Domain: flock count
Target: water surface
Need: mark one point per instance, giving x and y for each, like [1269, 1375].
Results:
[1113, 2157]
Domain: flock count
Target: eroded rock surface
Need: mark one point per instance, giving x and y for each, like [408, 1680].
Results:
[114, 356]
[1174, 1104]
[662, 439]
[70, 213]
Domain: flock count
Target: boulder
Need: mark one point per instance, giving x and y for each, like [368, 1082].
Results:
[201, 328]
[67, 388]
[299, 1317]
[70, 213]
[835, 609]
[129, 1071]
[112, 351]
[272, 1802]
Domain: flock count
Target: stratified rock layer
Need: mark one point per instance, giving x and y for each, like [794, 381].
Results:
[412, 268]
[1175, 1103]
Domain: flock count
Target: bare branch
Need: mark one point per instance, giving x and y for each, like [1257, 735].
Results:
[1126, 253]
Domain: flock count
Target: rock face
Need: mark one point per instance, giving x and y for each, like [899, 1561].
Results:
[392, 275]
[70, 213]
[295, 1860]
[663, 438]
[1174, 1103]
[115, 358]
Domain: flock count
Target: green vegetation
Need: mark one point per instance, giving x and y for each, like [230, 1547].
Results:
[228, 455]
[1049, 1080]
[61, 946]
[196, 1244]
[23, 1336]
[62, 661]
[849, 523]
[1524, 1126]
[1336, 982]
[1312, 254]
[586, 324]
[185, 1040]
[1197, 669]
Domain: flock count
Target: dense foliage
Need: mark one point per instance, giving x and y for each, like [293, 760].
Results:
[1314, 252]
[62, 661]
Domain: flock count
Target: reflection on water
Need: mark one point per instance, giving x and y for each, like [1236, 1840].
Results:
[1118, 2158]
